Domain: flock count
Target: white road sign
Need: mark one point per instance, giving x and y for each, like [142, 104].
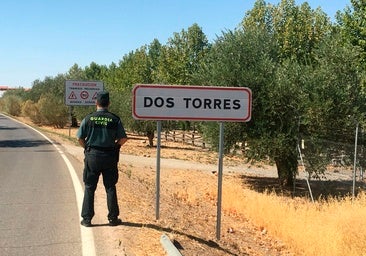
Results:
[82, 93]
[204, 103]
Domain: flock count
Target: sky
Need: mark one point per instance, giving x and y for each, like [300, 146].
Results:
[44, 38]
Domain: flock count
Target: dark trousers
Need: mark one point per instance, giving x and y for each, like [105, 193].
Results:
[98, 162]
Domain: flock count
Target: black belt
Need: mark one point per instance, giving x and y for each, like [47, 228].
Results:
[101, 148]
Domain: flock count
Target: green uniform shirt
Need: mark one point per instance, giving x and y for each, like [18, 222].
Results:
[101, 129]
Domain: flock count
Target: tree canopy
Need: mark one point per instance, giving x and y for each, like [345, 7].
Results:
[306, 73]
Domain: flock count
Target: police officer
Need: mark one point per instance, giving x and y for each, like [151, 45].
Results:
[101, 134]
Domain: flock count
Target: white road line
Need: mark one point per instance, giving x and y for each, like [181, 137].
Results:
[87, 237]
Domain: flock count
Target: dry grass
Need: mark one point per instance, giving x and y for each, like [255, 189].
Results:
[332, 227]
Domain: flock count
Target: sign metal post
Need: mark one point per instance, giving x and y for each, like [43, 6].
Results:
[158, 146]
[219, 182]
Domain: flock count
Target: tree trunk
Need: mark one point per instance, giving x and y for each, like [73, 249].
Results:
[286, 168]
[74, 121]
[150, 136]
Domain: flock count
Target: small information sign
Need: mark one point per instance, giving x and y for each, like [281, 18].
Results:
[82, 93]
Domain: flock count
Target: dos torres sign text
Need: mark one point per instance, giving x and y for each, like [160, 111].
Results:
[200, 103]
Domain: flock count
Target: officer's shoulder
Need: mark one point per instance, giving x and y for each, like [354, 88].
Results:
[89, 115]
[113, 114]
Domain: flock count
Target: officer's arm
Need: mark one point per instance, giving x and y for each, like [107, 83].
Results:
[121, 141]
[80, 135]
[82, 142]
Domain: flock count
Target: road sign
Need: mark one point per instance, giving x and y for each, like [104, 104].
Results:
[82, 93]
[200, 103]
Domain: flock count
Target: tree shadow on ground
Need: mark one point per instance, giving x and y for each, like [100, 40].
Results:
[208, 243]
[23, 143]
[319, 188]
[10, 128]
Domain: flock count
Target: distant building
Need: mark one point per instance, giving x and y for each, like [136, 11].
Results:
[4, 88]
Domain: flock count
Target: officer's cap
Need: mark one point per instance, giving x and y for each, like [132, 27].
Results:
[103, 97]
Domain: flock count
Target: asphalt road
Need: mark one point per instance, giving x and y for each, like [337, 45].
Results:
[39, 212]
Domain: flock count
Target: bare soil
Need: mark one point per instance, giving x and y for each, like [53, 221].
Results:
[188, 201]
[187, 205]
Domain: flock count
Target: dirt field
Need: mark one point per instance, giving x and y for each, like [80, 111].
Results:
[188, 203]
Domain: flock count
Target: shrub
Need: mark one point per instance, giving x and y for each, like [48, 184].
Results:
[53, 111]
[12, 105]
[30, 109]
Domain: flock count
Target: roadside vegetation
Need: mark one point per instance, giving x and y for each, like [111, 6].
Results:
[327, 227]
[332, 226]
